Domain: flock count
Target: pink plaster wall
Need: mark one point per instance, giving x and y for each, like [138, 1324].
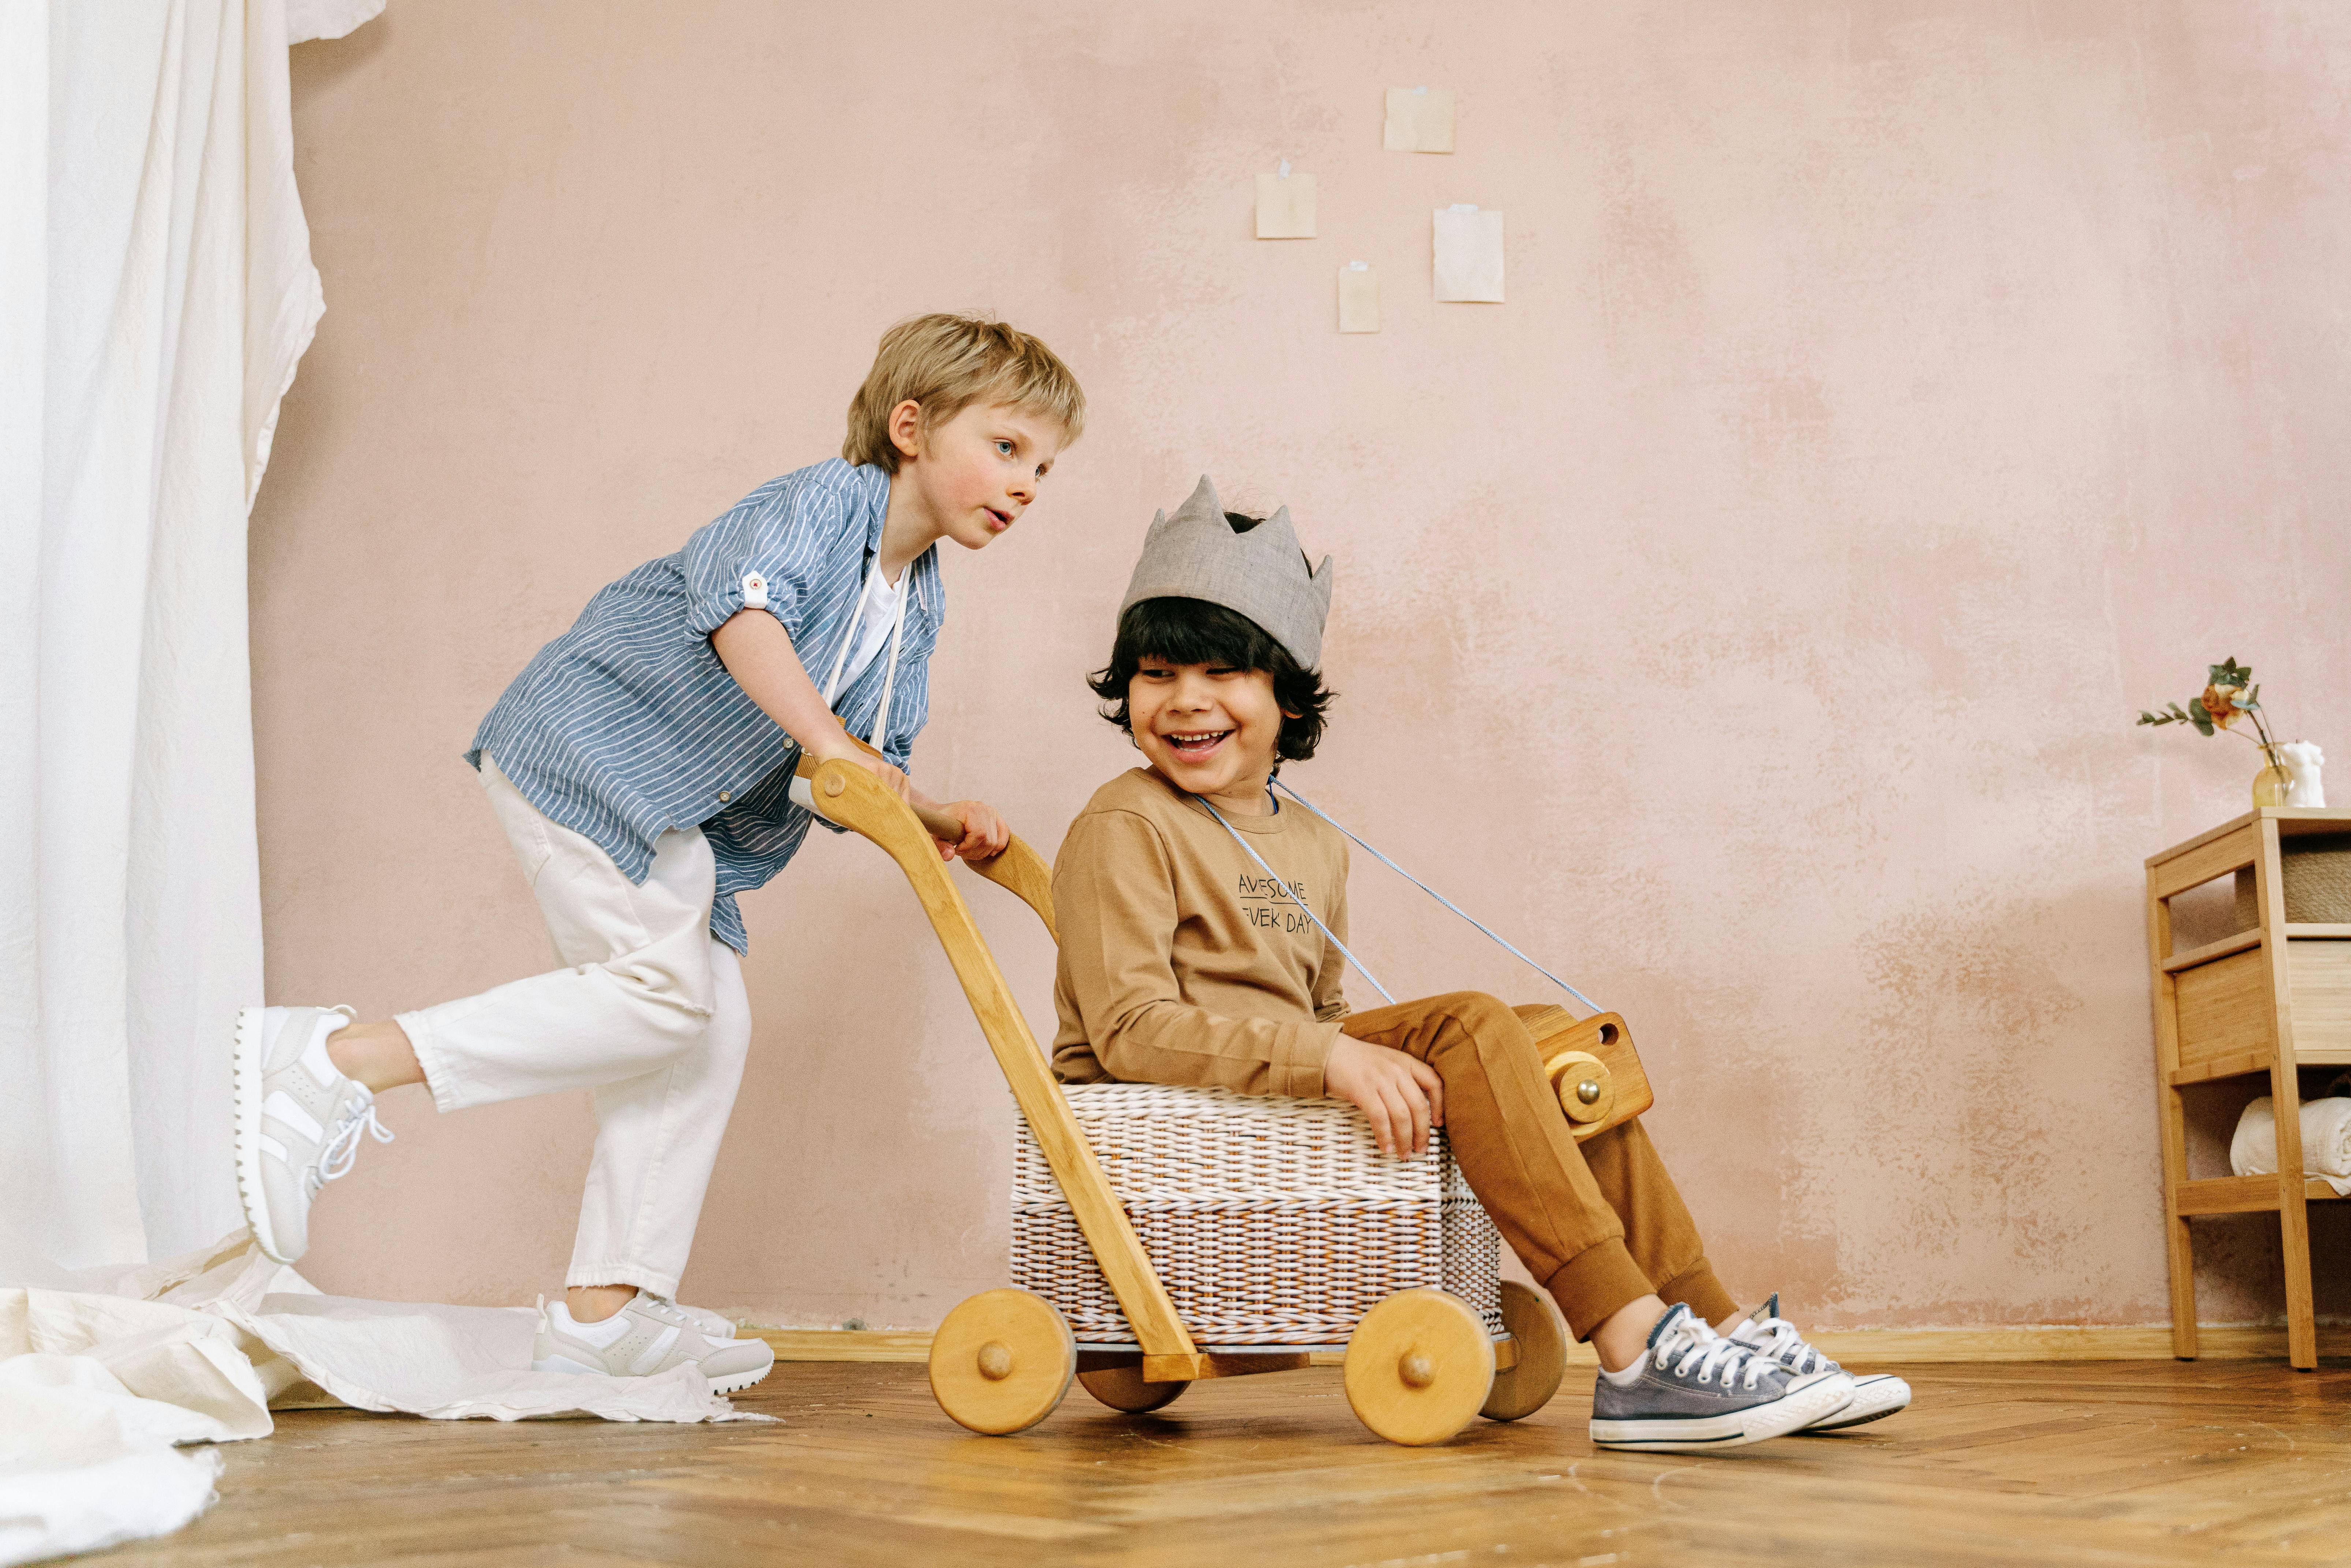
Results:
[1892, 399]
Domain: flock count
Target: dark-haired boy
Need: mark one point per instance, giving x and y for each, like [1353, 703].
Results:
[1183, 961]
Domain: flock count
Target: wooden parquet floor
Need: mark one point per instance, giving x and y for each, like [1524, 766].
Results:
[2117, 1462]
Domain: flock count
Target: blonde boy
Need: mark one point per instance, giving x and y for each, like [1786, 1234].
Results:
[641, 766]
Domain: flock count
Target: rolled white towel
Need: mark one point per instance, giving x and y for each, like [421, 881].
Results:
[2326, 1142]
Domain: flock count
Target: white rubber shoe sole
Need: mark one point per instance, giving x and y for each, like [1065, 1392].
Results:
[739, 1381]
[1875, 1397]
[734, 1383]
[1705, 1434]
[245, 1064]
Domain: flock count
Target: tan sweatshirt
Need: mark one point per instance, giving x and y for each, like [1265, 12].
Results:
[1180, 962]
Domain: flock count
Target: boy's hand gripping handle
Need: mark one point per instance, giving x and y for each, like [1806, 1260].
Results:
[938, 825]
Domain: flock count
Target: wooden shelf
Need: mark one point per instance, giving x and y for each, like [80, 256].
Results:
[2279, 994]
[2245, 939]
[2252, 1061]
[2292, 822]
[2212, 950]
[2236, 1066]
[2240, 1195]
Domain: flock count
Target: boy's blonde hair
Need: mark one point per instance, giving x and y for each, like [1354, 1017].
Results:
[947, 363]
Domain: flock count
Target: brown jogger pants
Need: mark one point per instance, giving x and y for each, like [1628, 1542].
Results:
[1600, 1223]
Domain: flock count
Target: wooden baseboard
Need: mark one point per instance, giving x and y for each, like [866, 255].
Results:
[1857, 1347]
[2105, 1343]
[845, 1344]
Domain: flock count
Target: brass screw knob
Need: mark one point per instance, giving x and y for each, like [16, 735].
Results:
[1416, 1370]
[833, 784]
[995, 1361]
[1588, 1091]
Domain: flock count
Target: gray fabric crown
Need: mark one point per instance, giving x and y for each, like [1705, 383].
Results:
[1260, 574]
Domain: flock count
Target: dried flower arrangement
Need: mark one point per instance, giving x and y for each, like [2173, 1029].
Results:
[2230, 696]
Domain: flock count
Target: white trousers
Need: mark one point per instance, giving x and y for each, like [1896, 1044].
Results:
[652, 1015]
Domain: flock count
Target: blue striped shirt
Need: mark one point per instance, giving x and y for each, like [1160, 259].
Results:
[628, 725]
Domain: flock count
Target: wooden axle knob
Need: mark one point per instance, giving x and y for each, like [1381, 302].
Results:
[995, 1361]
[1586, 1090]
[1415, 1370]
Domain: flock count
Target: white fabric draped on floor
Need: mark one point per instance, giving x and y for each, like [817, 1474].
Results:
[97, 1384]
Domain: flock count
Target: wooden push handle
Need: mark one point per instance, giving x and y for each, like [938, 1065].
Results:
[938, 825]
[853, 797]
[1016, 867]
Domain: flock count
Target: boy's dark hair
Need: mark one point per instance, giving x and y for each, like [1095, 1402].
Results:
[1194, 631]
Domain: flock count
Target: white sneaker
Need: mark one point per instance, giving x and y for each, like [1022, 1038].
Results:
[712, 1326]
[648, 1335]
[1875, 1395]
[298, 1121]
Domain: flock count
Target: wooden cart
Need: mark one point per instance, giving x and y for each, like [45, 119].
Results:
[1418, 1366]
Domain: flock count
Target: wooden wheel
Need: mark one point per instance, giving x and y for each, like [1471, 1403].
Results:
[1418, 1366]
[1002, 1361]
[1122, 1388]
[1533, 1321]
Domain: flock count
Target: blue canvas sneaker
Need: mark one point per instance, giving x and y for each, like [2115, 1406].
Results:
[1693, 1391]
[1875, 1395]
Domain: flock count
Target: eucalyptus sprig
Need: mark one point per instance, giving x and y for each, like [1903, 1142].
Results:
[2230, 696]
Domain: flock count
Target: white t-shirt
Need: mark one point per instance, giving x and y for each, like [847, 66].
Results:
[877, 610]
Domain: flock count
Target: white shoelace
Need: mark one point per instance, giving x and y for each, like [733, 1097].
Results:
[663, 1309]
[337, 1153]
[1779, 1339]
[1697, 1344]
[710, 1326]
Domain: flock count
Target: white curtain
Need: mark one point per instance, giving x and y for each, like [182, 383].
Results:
[155, 293]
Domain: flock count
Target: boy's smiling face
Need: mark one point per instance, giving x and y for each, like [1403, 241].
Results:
[977, 473]
[1210, 729]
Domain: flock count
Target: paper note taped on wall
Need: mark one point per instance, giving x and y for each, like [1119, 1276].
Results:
[1420, 119]
[1359, 299]
[1469, 255]
[1285, 206]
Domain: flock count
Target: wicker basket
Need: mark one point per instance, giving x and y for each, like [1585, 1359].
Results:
[2318, 869]
[1272, 1222]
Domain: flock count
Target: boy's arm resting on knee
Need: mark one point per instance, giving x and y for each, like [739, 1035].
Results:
[1114, 902]
[1400, 1095]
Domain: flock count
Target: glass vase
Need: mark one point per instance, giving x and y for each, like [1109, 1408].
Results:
[2270, 786]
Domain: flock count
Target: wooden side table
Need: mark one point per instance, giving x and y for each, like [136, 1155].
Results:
[2265, 1001]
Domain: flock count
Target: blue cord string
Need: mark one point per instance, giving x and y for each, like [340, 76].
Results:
[1423, 887]
[1300, 901]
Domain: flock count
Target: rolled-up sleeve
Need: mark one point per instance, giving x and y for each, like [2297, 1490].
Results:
[1114, 903]
[775, 543]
